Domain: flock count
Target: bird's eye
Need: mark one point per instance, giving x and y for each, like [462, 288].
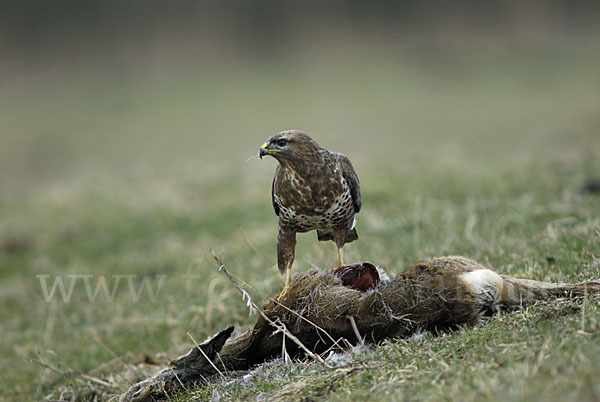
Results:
[281, 143]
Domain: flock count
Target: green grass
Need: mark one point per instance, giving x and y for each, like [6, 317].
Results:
[142, 175]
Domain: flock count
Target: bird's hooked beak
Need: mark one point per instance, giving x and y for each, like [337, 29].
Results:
[265, 150]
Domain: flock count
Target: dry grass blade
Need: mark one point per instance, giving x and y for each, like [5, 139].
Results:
[204, 354]
[355, 329]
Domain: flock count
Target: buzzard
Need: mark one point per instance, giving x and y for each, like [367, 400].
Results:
[313, 189]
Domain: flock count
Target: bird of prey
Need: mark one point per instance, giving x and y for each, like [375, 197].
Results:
[313, 189]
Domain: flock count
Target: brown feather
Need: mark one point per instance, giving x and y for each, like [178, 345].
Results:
[313, 189]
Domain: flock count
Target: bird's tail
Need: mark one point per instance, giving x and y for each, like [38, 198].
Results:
[325, 235]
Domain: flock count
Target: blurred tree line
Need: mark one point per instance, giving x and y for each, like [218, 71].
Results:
[33, 30]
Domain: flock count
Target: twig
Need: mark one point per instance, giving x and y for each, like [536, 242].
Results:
[346, 343]
[204, 354]
[49, 367]
[245, 296]
[72, 373]
[96, 380]
[280, 327]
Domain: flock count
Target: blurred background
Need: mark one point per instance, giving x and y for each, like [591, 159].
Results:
[128, 87]
[129, 133]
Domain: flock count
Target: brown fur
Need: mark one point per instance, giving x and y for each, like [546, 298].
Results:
[436, 294]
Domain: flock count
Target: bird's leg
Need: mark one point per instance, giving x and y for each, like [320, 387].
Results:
[339, 237]
[340, 257]
[287, 283]
[286, 246]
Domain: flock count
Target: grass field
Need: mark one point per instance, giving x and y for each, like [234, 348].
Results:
[137, 177]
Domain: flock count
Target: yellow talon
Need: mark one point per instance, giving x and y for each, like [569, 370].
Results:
[283, 293]
[287, 284]
[341, 257]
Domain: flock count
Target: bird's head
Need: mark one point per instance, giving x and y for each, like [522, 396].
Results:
[289, 145]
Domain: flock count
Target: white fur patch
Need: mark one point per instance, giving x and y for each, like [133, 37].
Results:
[383, 276]
[483, 282]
